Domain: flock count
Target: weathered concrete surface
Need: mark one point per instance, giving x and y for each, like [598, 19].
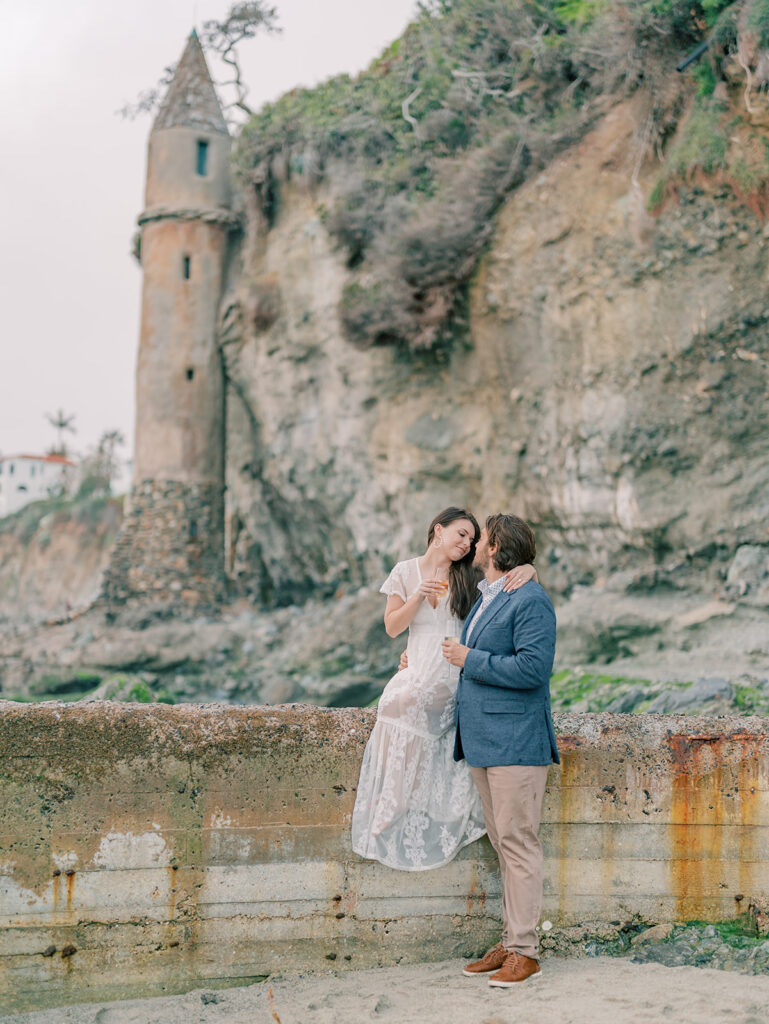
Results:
[149, 849]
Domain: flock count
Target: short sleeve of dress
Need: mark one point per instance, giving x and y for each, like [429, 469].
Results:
[395, 583]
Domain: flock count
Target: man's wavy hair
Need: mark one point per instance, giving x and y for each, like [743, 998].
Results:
[514, 540]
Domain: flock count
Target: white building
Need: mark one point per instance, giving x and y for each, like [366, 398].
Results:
[26, 478]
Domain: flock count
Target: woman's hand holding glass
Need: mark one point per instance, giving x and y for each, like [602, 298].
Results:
[429, 588]
[434, 590]
[442, 579]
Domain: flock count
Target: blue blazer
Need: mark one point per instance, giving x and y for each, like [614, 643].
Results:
[503, 696]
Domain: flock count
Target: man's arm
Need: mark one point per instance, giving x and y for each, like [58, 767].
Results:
[531, 666]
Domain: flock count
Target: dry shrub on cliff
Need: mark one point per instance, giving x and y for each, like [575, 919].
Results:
[720, 136]
[264, 302]
[358, 216]
[424, 259]
[449, 228]
[377, 310]
[422, 147]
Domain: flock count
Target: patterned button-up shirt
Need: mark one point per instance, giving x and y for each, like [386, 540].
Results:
[488, 592]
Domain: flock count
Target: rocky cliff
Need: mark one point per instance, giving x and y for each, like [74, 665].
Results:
[52, 555]
[612, 388]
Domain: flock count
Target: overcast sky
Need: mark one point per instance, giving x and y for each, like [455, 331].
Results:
[72, 181]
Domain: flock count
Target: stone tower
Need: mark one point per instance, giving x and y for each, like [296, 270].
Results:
[171, 548]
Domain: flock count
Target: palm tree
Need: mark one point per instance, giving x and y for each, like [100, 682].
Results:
[101, 465]
[62, 422]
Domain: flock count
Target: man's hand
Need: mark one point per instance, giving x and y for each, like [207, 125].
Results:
[404, 662]
[454, 653]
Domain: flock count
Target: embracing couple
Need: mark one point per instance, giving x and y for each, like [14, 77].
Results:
[463, 737]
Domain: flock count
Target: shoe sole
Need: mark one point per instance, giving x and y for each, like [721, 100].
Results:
[479, 974]
[512, 984]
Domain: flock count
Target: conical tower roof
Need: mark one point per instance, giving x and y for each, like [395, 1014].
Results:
[191, 100]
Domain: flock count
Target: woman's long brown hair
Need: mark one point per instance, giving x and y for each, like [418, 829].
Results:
[463, 576]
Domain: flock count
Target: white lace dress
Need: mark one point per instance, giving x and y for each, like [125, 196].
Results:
[416, 807]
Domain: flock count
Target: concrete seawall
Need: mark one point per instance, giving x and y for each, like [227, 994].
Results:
[147, 849]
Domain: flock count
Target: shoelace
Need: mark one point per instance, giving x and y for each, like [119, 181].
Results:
[488, 957]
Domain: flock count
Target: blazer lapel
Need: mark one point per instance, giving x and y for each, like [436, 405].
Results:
[469, 619]
[491, 612]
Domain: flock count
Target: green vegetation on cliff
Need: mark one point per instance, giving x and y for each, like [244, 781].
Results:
[37, 518]
[422, 147]
[50, 554]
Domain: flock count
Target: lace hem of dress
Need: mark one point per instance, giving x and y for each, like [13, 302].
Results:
[472, 837]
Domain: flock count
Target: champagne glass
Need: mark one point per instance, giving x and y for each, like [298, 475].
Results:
[442, 579]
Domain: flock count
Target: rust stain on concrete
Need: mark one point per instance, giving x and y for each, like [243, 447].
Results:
[714, 783]
[608, 866]
[569, 807]
[173, 874]
[476, 895]
[747, 781]
[566, 744]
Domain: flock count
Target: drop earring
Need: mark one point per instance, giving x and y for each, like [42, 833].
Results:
[438, 542]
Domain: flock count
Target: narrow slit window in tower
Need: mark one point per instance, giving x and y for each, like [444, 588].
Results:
[186, 267]
[190, 373]
[202, 158]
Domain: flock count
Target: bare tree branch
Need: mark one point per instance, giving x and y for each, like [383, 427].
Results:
[405, 111]
[743, 61]
[149, 99]
[480, 81]
[242, 22]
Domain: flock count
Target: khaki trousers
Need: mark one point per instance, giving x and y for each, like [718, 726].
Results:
[512, 797]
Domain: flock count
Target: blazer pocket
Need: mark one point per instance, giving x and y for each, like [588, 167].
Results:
[503, 707]
[498, 629]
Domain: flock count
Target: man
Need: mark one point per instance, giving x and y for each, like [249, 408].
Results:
[505, 732]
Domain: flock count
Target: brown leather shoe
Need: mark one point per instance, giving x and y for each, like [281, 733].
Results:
[490, 961]
[517, 968]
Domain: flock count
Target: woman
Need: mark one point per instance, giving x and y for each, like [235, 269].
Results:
[416, 807]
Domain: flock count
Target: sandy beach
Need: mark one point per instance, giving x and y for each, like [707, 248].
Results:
[599, 991]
